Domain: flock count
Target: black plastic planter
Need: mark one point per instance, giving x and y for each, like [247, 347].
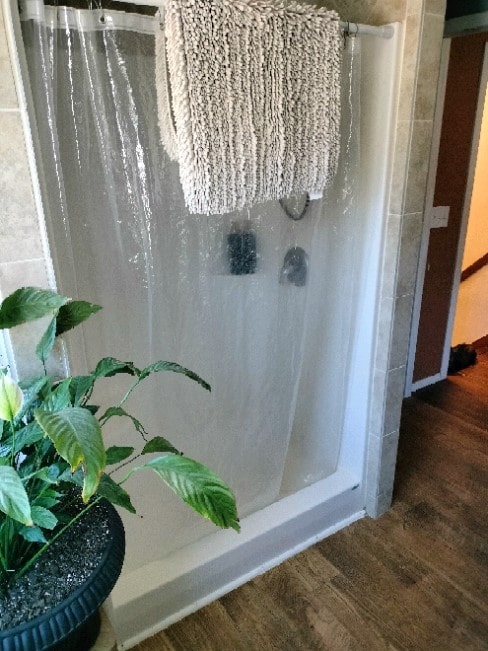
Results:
[74, 624]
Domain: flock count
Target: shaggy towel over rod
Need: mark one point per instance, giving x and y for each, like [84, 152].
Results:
[249, 99]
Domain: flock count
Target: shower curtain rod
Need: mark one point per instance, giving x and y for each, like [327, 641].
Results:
[353, 29]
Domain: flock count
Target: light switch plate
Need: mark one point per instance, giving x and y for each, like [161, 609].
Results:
[439, 217]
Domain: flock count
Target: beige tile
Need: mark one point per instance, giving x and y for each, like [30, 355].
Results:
[18, 274]
[20, 237]
[415, 7]
[395, 388]
[429, 63]
[411, 237]
[8, 95]
[373, 463]
[400, 163]
[418, 166]
[15, 181]
[389, 12]
[390, 256]
[400, 337]
[388, 457]
[377, 505]
[409, 66]
[378, 399]
[374, 12]
[380, 468]
[383, 337]
[437, 7]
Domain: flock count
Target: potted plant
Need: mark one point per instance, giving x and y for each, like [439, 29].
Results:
[57, 486]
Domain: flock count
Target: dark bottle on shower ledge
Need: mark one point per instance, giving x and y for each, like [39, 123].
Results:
[241, 248]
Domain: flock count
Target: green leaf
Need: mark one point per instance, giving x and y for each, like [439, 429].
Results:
[43, 517]
[118, 411]
[33, 383]
[14, 501]
[48, 499]
[174, 368]
[45, 346]
[59, 398]
[159, 444]
[198, 486]
[49, 474]
[72, 477]
[32, 534]
[109, 366]
[73, 313]
[32, 390]
[28, 435]
[11, 398]
[27, 304]
[116, 454]
[114, 493]
[80, 387]
[77, 437]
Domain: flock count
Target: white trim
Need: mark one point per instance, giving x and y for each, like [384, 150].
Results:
[429, 203]
[475, 141]
[467, 24]
[425, 382]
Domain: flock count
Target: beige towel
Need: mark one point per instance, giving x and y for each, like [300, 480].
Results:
[249, 99]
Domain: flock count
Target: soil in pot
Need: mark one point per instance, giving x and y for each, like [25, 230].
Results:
[63, 571]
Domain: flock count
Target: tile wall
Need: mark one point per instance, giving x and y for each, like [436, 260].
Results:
[424, 26]
[24, 259]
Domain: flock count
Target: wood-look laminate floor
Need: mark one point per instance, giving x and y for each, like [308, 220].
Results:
[415, 579]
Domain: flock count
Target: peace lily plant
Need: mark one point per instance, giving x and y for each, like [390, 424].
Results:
[51, 444]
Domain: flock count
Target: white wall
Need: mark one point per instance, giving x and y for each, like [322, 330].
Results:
[471, 321]
[472, 309]
[477, 236]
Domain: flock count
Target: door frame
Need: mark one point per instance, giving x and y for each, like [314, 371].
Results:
[411, 386]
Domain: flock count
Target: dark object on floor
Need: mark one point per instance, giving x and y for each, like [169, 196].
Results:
[461, 356]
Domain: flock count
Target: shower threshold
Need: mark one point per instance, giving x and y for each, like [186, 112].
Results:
[149, 599]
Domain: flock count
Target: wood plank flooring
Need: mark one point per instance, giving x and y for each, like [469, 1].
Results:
[415, 579]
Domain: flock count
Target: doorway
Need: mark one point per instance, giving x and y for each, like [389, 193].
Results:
[462, 86]
[471, 314]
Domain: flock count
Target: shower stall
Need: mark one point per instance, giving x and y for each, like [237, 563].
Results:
[286, 339]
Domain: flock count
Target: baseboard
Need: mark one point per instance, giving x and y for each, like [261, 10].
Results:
[155, 596]
[426, 382]
[482, 342]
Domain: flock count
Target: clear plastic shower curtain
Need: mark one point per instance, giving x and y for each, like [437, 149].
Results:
[123, 239]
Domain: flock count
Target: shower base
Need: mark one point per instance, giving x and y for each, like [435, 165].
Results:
[149, 599]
